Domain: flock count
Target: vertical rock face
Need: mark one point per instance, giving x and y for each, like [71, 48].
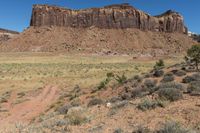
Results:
[114, 16]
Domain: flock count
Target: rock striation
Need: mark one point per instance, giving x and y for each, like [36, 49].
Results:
[109, 17]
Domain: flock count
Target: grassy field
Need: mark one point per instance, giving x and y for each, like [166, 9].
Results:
[27, 71]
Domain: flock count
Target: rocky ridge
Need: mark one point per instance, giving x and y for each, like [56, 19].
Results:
[114, 16]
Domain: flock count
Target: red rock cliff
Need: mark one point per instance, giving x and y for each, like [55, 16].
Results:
[114, 16]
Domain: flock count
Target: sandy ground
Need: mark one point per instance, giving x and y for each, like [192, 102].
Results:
[32, 107]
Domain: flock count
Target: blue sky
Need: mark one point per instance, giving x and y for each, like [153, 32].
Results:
[15, 14]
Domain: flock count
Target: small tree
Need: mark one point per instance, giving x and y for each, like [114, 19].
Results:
[194, 55]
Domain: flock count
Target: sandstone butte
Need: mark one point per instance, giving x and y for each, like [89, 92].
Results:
[113, 16]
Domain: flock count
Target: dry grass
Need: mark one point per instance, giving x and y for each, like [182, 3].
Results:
[28, 71]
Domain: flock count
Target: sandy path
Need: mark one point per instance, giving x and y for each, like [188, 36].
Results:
[26, 111]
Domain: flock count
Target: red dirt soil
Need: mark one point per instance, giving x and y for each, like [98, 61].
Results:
[26, 111]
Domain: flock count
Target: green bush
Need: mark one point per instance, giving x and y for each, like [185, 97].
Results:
[170, 94]
[193, 54]
[121, 79]
[159, 64]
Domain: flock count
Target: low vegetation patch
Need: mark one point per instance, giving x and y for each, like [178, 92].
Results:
[77, 116]
[179, 73]
[159, 64]
[148, 104]
[94, 102]
[173, 127]
[158, 73]
[173, 85]
[194, 88]
[169, 77]
[170, 94]
[150, 85]
[194, 77]
[142, 129]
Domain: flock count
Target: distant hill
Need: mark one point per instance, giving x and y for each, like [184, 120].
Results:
[110, 30]
[5, 35]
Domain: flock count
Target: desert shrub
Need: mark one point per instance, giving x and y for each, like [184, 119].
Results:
[142, 129]
[171, 85]
[159, 64]
[194, 88]
[168, 77]
[179, 73]
[194, 77]
[126, 96]
[172, 127]
[193, 54]
[121, 79]
[76, 102]
[119, 104]
[77, 116]
[148, 104]
[150, 85]
[94, 102]
[103, 84]
[170, 94]
[115, 99]
[139, 92]
[147, 75]
[158, 73]
[64, 109]
[137, 78]
[119, 130]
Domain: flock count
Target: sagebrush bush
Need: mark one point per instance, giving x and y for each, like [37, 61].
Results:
[179, 73]
[194, 88]
[142, 129]
[139, 92]
[173, 127]
[170, 94]
[137, 78]
[63, 109]
[150, 85]
[194, 77]
[148, 104]
[169, 77]
[119, 130]
[94, 102]
[171, 85]
[77, 116]
[158, 73]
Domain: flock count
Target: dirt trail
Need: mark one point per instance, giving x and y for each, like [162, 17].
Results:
[26, 111]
